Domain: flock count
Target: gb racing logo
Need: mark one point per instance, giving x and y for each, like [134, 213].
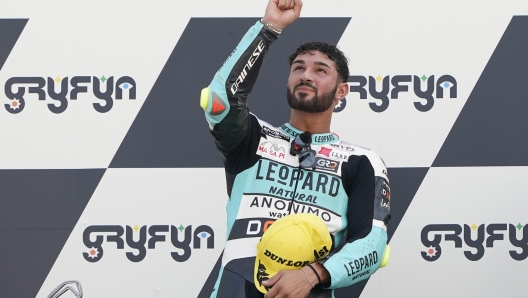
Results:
[136, 240]
[423, 88]
[475, 237]
[61, 91]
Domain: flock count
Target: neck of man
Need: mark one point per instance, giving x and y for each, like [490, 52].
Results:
[313, 123]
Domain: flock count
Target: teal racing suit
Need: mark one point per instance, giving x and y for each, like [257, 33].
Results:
[349, 188]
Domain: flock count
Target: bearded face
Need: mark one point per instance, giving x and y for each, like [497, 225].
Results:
[302, 101]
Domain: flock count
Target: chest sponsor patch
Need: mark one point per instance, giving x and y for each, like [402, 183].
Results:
[347, 143]
[272, 149]
[324, 151]
[327, 164]
[266, 131]
[338, 155]
[343, 147]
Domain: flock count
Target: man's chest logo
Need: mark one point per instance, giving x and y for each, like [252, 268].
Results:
[272, 149]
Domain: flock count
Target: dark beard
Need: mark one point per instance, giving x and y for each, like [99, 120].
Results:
[318, 104]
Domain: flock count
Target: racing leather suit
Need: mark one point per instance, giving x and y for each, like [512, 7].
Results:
[348, 189]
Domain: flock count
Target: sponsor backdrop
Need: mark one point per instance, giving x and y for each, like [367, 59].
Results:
[110, 185]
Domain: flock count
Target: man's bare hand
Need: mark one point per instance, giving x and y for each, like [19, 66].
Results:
[282, 13]
[288, 283]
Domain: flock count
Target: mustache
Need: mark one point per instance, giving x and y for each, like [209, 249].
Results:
[303, 83]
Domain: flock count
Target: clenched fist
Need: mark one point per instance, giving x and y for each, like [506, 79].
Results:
[282, 13]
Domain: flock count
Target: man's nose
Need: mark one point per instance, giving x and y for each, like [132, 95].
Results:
[306, 76]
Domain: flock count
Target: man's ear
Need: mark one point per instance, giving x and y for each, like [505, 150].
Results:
[342, 90]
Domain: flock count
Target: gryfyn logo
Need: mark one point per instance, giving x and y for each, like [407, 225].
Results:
[478, 238]
[135, 238]
[423, 86]
[20, 90]
[104, 89]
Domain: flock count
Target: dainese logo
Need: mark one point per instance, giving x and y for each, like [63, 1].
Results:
[63, 90]
[477, 237]
[136, 239]
[425, 88]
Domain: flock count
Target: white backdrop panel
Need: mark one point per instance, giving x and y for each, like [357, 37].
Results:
[146, 197]
[476, 195]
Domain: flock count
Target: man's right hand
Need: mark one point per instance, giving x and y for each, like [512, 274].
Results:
[282, 13]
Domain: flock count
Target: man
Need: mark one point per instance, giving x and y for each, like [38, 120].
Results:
[300, 167]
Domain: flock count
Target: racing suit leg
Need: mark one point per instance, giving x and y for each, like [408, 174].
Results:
[232, 285]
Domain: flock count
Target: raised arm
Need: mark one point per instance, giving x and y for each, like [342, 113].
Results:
[224, 101]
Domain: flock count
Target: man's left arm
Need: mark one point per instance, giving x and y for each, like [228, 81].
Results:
[361, 254]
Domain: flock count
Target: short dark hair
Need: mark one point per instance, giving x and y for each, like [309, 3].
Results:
[329, 50]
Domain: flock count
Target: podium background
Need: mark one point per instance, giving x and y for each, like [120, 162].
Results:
[150, 162]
